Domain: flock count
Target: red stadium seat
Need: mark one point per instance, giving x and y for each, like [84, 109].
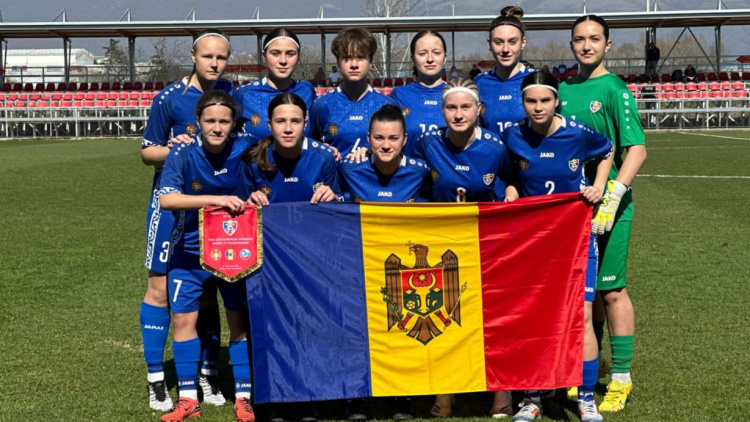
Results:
[67, 95]
[717, 94]
[101, 95]
[134, 95]
[39, 87]
[116, 86]
[723, 76]
[77, 104]
[160, 85]
[726, 85]
[138, 86]
[28, 87]
[88, 103]
[702, 86]
[17, 87]
[701, 77]
[90, 95]
[398, 82]
[72, 86]
[679, 86]
[667, 86]
[666, 78]
[111, 95]
[55, 104]
[409, 80]
[2, 96]
[713, 86]
[132, 103]
[745, 77]
[735, 76]
[693, 95]
[670, 96]
[632, 87]
[388, 82]
[736, 85]
[100, 104]
[111, 104]
[23, 96]
[712, 76]
[630, 79]
[105, 86]
[61, 87]
[146, 95]
[691, 86]
[377, 83]
[83, 86]
[94, 86]
[12, 96]
[660, 95]
[123, 95]
[45, 95]
[740, 94]
[144, 103]
[42, 104]
[20, 104]
[127, 86]
[79, 96]
[66, 104]
[122, 103]
[50, 87]
[148, 86]
[7, 87]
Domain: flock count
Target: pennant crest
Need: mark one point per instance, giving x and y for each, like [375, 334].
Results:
[229, 226]
[573, 164]
[422, 301]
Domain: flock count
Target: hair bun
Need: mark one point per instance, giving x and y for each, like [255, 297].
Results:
[512, 11]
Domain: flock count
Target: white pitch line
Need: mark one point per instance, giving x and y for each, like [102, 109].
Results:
[714, 136]
[706, 147]
[675, 176]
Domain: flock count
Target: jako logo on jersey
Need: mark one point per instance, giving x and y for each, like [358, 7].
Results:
[154, 327]
[386, 194]
[218, 172]
[291, 180]
[547, 155]
[595, 106]
[505, 97]
[462, 168]
[356, 118]
[430, 102]
[609, 278]
[573, 164]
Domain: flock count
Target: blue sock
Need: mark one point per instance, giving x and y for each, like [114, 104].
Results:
[186, 357]
[154, 329]
[240, 368]
[590, 375]
[209, 331]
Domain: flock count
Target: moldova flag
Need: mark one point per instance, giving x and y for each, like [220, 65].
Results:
[358, 300]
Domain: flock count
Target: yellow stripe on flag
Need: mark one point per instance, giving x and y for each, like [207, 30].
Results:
[417, 261]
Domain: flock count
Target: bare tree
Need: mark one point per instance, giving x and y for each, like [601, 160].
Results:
[400, 61]
[116, 61]
[168, 63]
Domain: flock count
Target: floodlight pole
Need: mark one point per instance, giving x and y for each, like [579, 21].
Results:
[131, 58]
[2, 74]
[387, 54]
[66, 59]
[717, 35]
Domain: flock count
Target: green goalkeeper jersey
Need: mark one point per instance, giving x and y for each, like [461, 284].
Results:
[606, 105]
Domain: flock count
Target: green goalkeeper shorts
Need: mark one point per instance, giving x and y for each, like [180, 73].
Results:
[613, 257]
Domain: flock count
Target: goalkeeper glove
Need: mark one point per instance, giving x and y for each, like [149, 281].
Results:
[605, 213]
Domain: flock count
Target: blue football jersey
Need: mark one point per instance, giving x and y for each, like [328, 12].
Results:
[292, 180]
[502, 101]
[191, 170]
[423, 110]
[364, 182]
[477, 173]
[254, 99]
[553, 164]
[343, 123]
[173, 113]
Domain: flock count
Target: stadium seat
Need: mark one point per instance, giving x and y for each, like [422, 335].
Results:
[17, 87]
[723, 76]
[55, 104]
[90, 95]
[45, 95]
[667, 86]
[726, 85]
[35, 96]
[42, 104]
[736, 85]
[388, 82]
[633, 87]
[111, 104]
[630, 79]
[160, 85]
[660, 95]
[702, 86]
[714, 85]
[94, 86]
[7, 87]
[57, 96]
[740, 94]
[134, 95]
[111, 95]
[79, 96]
[670, 96]
[127, 86]
[65, 104]
[691, 86]
[88, 103]
[398, 82]
[122, 95]
[50, 87]
[105, 86]
[377, 83]
[717, 94]
[138, 86]
[148, 86]
[67, 95]
[12, 96]
[701, 77]
[100, 104]
[132, 103]
[745, 76]
[409, 80]
[146, 95]
[237, 84]
[735, 76]
[116, 86]
[101, 95]
[23, 96]
[39, 87]
[665, 78]
[77, 104]
[72, 86]
[711, 76]
[122, 103]
[2, 96]
[28, 87]
[20, 104]
[144, 103]
[62, 86]
[693, 95]
[83, 86]
[679, 86]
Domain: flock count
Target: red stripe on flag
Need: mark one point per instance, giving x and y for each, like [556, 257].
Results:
[534, 255]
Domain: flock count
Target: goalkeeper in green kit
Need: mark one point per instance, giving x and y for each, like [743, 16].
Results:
[602, 101]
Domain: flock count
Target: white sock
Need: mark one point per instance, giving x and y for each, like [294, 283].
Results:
[190, 394]
[623, 377]
[155, 376]
[242, 395]
[209, 372]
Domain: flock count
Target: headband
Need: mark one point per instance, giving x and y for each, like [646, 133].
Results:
[460, 89]
[216, 104]
[210, 34]
[539, 86]
[279, 38]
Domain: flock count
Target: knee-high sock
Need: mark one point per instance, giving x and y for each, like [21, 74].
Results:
[154, 330]
[622, 353]
[241, 368]
[590, 375]
[186, 357]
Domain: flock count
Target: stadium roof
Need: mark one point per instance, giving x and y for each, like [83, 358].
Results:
[658, 19]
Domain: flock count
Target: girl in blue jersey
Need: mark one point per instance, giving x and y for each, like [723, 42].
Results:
[341, 117]
[200, 174]
[468, 163]
[172, 114]
[388, 175]
[281, 49]
[422, 100]
[499, 89]
[286, 166]
[548, 154]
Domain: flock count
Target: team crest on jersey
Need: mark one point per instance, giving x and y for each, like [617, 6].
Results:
[317, 185]
[255, 120]
[266, 190]
[333, 129]
[573, 164]
[435, 175]
[422, 301]
[196, 186]
[524, 165]
[488, 178]
[406, 112]
[191, 130]
[230, 227]
[595, 106]
[215, 254]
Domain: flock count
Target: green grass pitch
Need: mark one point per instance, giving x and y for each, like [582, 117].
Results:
[72, 279]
